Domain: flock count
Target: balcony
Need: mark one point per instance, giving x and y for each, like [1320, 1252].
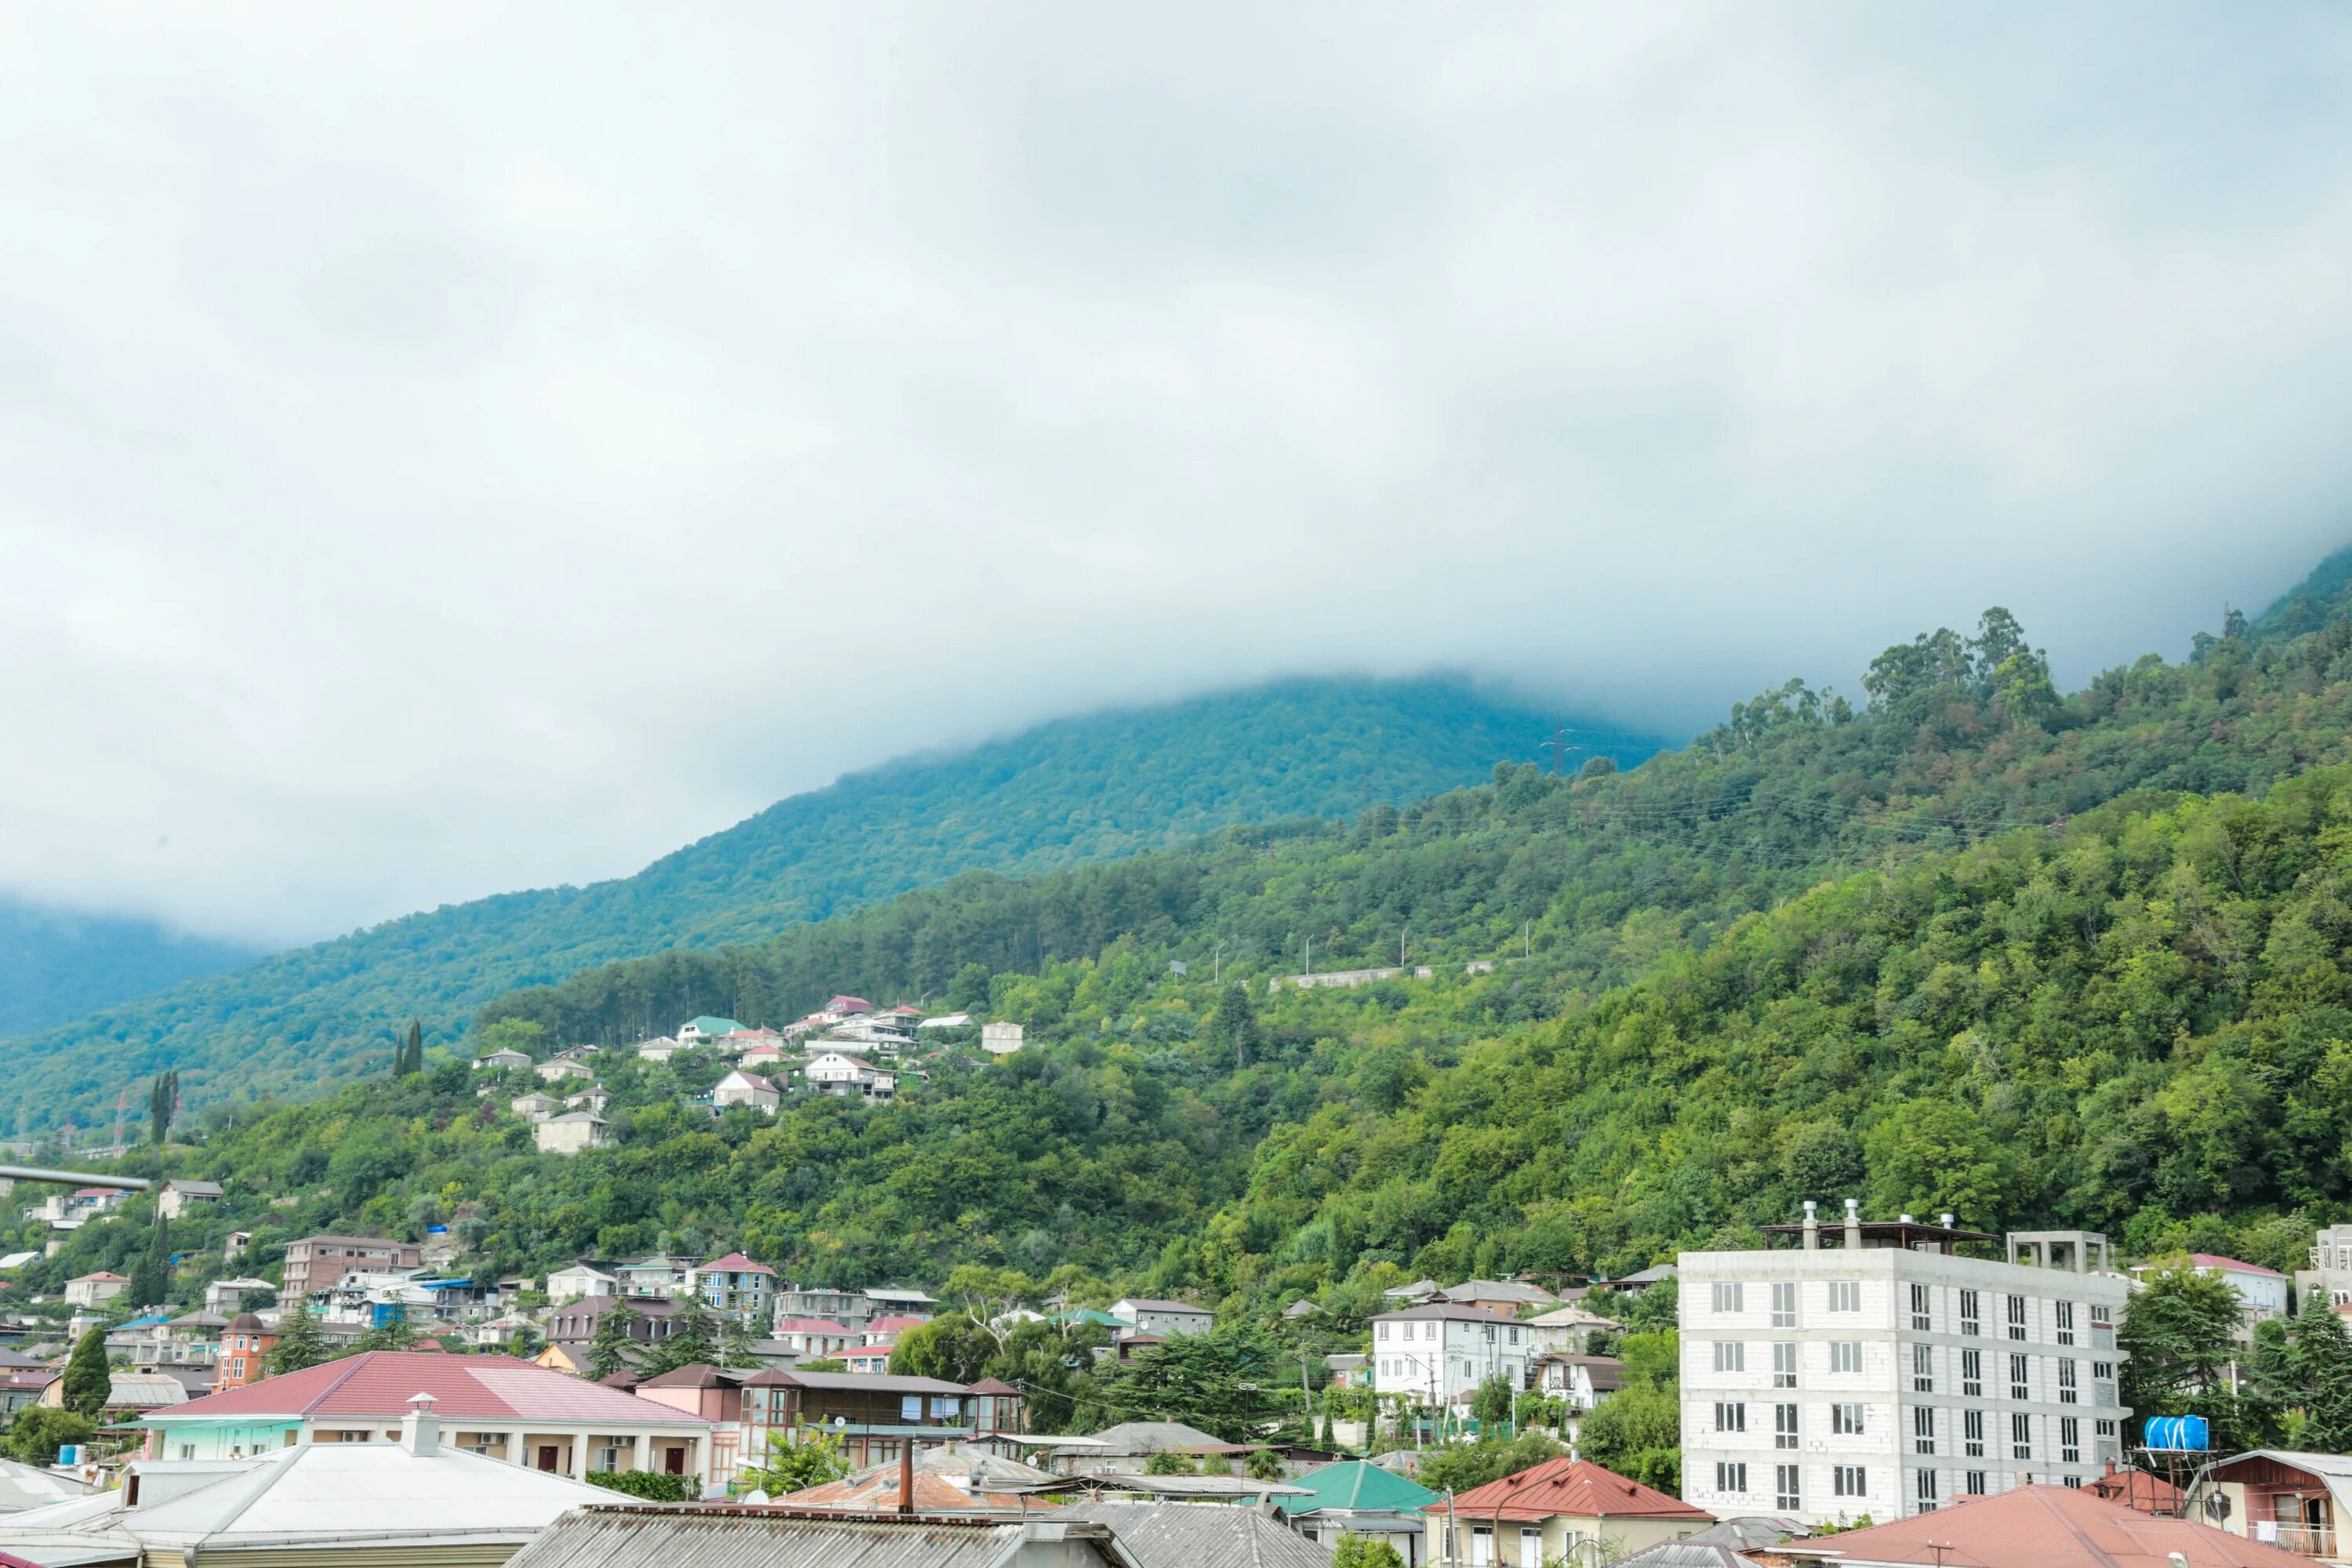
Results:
[2303, 1539]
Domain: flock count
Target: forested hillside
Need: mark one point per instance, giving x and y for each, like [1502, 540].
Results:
[57, 965]
[1968, 946]
[1069, 791]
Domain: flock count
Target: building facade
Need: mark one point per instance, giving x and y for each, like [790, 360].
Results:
[2330, 1273]
[1431, 1354]
[315, 1263]
[1874, 1369]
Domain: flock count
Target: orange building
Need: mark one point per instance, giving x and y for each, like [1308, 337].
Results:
[244, 1350]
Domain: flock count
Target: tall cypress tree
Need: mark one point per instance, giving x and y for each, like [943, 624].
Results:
[89, 1384]
[415, 1062]
[162, 1099]
[150, 1276]
[2321, 1361]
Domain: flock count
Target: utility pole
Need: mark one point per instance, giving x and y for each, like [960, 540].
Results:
[1217, 966]
[1528, 940]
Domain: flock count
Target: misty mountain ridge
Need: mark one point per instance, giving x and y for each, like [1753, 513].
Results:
[57, 964]
[1073, 790]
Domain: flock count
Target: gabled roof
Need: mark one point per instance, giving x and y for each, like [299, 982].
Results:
[1578, 1487]
[1361, 1485]
[1130, 1437]
[102, 1274]
[733, 1263]
[1153, 1304]
[1164, 1537]
[1442, 1311]
[378, 1386]
[1497, 1290]
[2041, 1527]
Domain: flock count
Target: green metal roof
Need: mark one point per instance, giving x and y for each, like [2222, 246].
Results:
[711, 1026]
[1358, 1484]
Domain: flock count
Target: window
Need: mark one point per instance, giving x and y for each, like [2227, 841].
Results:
[1784, 1364]
[1974, 1483]
[1845, 1295]
[1923, 1430]
[1531, 1545]
[1731, 1478]
[2106, 1428]
[2021, 1436]
[2070, 1439]
[910, 1409]
[1849, 1480]
[1784, 1426]
[187, 1450]
[1384, 1331]
[1730, 1355]
[1845, 1355]
[1489, 1331]
[1727, 1295]
[2074, 1481]
[1972, 1433]
[2102, 1317]
[1924, 1488]
[2066, 1384]
[2064, 1312]
[2104, 1371]
[2021, 1382]
[1785, 1494]
[1972, 1375]
[1922, 1369]
[1730, 1416]
[1515, 1336]
[2017, 1317]
[1920, 1315]
[1845, 1420]
[1784, 1304]
[1972, 1318]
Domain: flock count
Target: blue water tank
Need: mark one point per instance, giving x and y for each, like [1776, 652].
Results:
[68, 1453]
[2175, 1433]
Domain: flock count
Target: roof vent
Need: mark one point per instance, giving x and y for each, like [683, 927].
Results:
[420, 1429]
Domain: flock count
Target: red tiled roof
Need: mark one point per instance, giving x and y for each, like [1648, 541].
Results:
[378, 1386]
[990, 1385]
[102, 1274]
[1576, 1487]
[2044, 1527]
[734, 1263]
[2214, 1261]
[810, 1326]
[2139, 1490]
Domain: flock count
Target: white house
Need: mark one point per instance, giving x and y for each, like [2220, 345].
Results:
[1569, 1330]
[1151, 1316]
[227, 1296]
[660, 1048]
[947, 1021]
[96, 1289]
[536, 1106]
[833, 1073]
[742, 1089]
[573, 1132]
[2261, 1292]
[811, 1337]
[498, 1059]
[1432, 1354]
[561, 1070]
[1584, 1380]
[999, 1039]
[181, 1197]
[581, 1281]
[658, 1275]
[1872, 1368]
[2330, 1273]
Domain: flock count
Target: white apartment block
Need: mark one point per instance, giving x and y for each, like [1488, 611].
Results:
[1432, 1354]
[1872, 1369]
[2330, 1273]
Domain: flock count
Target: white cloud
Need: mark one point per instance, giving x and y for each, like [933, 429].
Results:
[465, 447]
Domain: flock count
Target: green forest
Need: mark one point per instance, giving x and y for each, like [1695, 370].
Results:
[1959, 942]
[1075, 790]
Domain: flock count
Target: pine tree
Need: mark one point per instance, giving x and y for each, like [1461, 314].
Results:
[89, 1384]
[1234, 1024]
[300, 1342]
[415, 1052]
[150, 1276]
[695, 1338]
[162, 1099]
[615, 1348]
[2321, 1363]
[735, 1343]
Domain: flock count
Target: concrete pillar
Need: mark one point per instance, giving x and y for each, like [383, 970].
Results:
[580, 1455]
[1853, 1225]
[1813, 1228]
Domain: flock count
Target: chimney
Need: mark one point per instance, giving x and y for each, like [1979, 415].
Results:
[1946, 1220]
[420, 1429]
[906, 1476]
[1813, 1226]
[1853, 1225]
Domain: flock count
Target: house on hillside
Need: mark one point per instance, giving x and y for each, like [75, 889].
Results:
[181, 1197]
[1152, 1315]
[2261, 1292]
[1358, 1498]
[581, 1281]
[535, 1105]
[659, 1274]
[1436, 1354]
[660, 1048]
[315, 1263]
[498, 1060]
[833, 1073]
[1569, 1331]
[741, 1089]
[561, 1072]
[813, 1338]
[1504, 1298]
[737, 1288]
[1001, 1039]
[706, 1030]
[571, 1132]
[1584, 1380]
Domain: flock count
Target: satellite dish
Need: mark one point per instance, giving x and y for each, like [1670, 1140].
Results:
[2217, 1506]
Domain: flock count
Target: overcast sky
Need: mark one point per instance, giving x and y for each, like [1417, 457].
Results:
[445, 448]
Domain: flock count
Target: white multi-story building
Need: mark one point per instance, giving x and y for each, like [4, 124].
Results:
[1432, 1354]
[2330, 1273]
[1873, 1369]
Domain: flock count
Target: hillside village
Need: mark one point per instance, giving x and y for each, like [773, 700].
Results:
[1847, 1371]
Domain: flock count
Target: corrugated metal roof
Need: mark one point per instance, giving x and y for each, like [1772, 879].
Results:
[2045, 1527]
[751, 1537]
[1161, 1536]
[1578, 1487]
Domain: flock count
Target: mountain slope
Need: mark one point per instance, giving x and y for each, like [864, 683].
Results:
[1974, 947]
[1071, 791]
[2320, 599]
[57, 965]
